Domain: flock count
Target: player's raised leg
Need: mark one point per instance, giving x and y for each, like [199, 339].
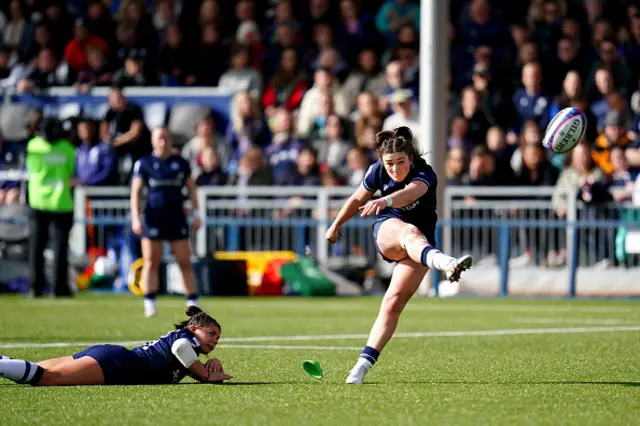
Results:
[418, 248]
[406, 278]
[182, 254]
[151, 253]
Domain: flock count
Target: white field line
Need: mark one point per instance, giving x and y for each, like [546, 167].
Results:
[462, 333]
[581, 321]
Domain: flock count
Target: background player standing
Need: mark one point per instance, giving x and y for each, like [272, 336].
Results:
[165, 175]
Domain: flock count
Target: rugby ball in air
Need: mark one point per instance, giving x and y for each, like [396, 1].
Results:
[565, 130]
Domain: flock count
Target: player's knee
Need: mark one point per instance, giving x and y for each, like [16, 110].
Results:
[393, 304]
[184, 263]
[151, 264]
[411, 236]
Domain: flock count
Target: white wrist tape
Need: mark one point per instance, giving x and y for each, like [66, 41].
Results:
[183, 350]
[389, 201]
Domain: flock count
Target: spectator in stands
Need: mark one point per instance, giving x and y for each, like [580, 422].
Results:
[615, 135]
[285, 148]
[207, 137]
[36, 40]
[285, 39]
[246, 126]
[44, 73]
[580, 169]
[173, 56]
[100, 22]
[571, 89]
[393, 14]
[60, 24]
[123, 127]
[367, 78]
[309, 109]
[604, 87]
[456, 166]
[308, 170]
[96, 73]
[357, 166]
[76, 51]
[325, 109]
[209, 61]
[356, 31]
[323, 38]
[478, 120]
[482, 167]
[631, 48]
[403, 113]
[333, 148]
[164, 15]
[493, 101]
[530, 102]
[609, 59]
[623, 178]
[502, 152]
[395, 80]
[13, 33]
[253, 170]
[569, 60]
[367, 115]
[458, 132]
[536, 170]
[241, 76]
[134, 72]
[286, 88]
[134, 13]
[210, 172]
[330, 59]
[96, 163]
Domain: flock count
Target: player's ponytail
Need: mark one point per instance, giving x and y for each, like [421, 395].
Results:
[197, 317]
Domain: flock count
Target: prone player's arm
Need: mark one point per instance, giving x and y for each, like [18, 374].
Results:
[350, 208]
[187, 356]
[409, 194]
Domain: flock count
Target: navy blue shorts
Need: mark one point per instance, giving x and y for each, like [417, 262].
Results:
[428, 229]
[119, 365]
[165, 225]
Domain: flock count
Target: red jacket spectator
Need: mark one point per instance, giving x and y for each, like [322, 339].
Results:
[76, 51]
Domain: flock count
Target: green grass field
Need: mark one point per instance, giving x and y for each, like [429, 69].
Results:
[480, 362]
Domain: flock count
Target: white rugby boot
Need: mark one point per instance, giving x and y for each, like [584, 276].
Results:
[457, 267]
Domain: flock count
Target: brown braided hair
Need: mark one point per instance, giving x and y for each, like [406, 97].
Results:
[199, 318]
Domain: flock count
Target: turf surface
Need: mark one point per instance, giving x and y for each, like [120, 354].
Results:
[458, 362]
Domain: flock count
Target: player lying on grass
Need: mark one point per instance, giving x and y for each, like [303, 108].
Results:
[167, 360]
[404, 232]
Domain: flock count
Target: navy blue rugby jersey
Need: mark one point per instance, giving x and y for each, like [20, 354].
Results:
[161, 365]
[423, 210]
[164, 178]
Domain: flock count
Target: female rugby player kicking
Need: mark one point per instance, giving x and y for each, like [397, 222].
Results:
[167, 360]
[404, 232]
[165, 174]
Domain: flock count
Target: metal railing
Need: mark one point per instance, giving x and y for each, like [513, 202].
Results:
[509, 226]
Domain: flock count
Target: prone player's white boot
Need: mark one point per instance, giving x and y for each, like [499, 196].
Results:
[457, 267]
[357, 373]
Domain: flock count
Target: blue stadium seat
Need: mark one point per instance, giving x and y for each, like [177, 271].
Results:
[183, 119]
[14, 119]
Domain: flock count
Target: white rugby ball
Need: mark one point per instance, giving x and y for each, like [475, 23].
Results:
[565, 130]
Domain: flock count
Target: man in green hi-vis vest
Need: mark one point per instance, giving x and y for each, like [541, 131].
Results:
[50, 165]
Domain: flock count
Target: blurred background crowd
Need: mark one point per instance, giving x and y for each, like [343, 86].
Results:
[314, 80]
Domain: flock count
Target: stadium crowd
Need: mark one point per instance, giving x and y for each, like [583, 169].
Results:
[314, 80]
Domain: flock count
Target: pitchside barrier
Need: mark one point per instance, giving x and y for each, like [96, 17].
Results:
[519, 242]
